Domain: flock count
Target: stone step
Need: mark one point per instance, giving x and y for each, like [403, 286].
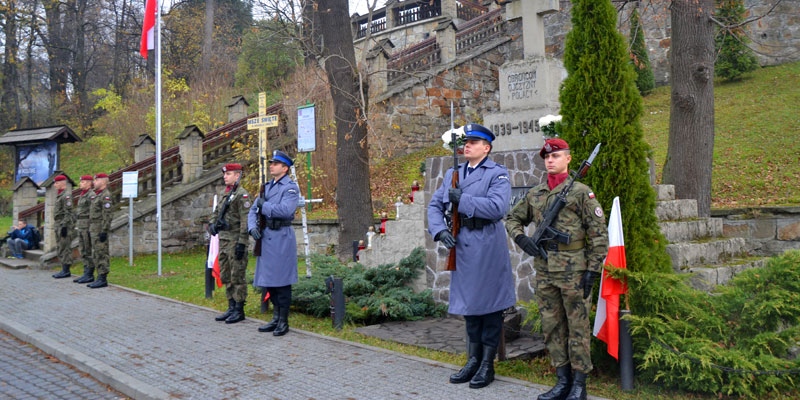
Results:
[686, 255]
[675, 210]
[664, 192]
[709, 276]
[411, 212]
[684, 231]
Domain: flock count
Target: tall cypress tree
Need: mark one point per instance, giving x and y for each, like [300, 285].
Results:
[601, 104]
[734, 58]
[640, 59]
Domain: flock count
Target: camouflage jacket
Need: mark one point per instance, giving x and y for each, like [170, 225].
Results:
[236, 216]
[82, 210]
[100, 211]
[64, 215]
[582, 218]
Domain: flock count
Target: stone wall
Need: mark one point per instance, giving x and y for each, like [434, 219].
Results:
[769, 230]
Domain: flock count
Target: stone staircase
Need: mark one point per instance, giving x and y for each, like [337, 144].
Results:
[403, 234]
[697, 245]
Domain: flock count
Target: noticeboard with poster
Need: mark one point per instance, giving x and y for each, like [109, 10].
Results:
[37, 161]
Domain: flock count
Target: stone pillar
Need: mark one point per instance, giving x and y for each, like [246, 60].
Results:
[446, 39]
[449, 9]
[237, 109]
[377, 66]
[143, 148]
[391, 16]
[24, 198]
[51, 195]
[532, 13]
[190, 143]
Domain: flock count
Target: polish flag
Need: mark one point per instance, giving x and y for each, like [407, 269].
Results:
[606, 322]
[212, 261]
[148, 28]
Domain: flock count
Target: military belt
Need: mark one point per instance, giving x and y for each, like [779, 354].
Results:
[276, 224]
[475, 223]
[556, 246]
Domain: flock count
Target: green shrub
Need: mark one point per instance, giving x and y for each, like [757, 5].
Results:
[372, 295]
[740, 341]
[734, 57]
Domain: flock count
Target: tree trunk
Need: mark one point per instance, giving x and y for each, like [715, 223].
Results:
[208, 35]
[691, 126]
[57, 44]
[79, 66]
[9, 78]
[353, 197]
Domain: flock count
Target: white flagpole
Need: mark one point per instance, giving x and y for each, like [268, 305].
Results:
[157, 36]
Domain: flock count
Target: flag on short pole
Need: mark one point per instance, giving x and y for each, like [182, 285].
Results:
[148, 28]
[212, 262]
[606, 322]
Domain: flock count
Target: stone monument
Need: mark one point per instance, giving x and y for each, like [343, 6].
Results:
[528, 87]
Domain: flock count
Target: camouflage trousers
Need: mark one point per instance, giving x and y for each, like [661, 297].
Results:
[100, 254]
[232, 271]
[85, 246]
[64, 247]
[565, 319]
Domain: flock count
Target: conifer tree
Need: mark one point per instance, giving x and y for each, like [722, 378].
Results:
[640, 59]
[601, 104]
[734, 58]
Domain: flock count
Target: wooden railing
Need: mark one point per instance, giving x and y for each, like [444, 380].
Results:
[414, 58]
[417, 11]
[480, 30]
[467, 10]
[217, 146]
[378, 24]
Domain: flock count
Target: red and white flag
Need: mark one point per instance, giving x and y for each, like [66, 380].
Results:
[148, 28]
[606, 322]
[212, 261]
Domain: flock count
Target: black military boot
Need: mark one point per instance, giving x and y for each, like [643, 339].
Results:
[283, 322]
[271, 325]
[228, 312]
[474, 357]
[563, 384]
[238, 313]
[64, 272]
[88, 275]
[100, 282]
[485, 374]
[578, 391]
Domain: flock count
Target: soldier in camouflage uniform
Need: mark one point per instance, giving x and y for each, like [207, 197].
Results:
[100, 213]
[564, 281]
[233, 240]
[64, 223]
[82, 226]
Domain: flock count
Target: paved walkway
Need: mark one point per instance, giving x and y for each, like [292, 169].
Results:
[149, 347]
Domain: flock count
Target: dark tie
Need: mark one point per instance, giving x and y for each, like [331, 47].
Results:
[469, 170]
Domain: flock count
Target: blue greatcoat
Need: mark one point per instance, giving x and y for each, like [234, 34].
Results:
[483, 281]
[277, 265]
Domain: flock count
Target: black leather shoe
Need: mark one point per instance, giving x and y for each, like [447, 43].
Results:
[474, 354]
[271, 325]
[238, 313]
[283, 322]
[562, 386]
[227, 313]
[99, 283]
[485, 374]
[64, 273]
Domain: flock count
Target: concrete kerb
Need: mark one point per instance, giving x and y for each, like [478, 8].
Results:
[99, 370]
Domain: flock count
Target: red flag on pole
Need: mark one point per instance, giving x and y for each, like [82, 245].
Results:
[212, 262]
[606, 322]
[148, 28]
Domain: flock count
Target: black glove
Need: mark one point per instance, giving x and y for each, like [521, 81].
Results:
[63, 231]
[587, 282]
[259, 202]
[526, 244]
[239, 251]
[255, 233]
[446, 238]
[102, 237]
[454, 194]
[212, 229]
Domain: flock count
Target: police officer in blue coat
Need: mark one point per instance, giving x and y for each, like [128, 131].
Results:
[482, 286]
[276, 267]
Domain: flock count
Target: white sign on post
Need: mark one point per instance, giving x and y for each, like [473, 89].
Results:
[306, 129]
[130, 184]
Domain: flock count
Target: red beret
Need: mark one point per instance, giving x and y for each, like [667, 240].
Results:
[86, 177]
[232, 167]
[61, 178]
[100, 175]
[551, 145]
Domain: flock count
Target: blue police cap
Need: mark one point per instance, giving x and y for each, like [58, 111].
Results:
[279, 156]
[477, 131]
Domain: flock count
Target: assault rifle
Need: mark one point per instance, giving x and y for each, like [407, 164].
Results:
[545, 231]
[261, 221]
[221, 224]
